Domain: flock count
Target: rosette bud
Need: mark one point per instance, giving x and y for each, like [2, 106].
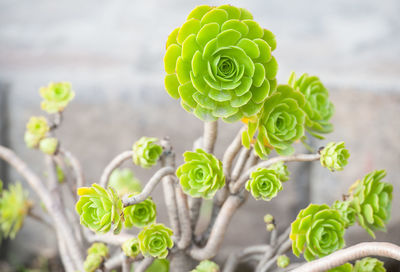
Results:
[282, 261]
[281, 171]
[36, 130]
[201, 175]
[372, 199]
[155, 240]
[206, 266]
[347, 211]
[268, 218]
[92, 262]
[280, 123]
[131, 247]
[318, 108]
[140, 214]
[99, 249]
[264, 184]
[124, 182]
[219, 63]
[48, 145]
[347, 267]
[369, 264]
[14, 207]
[56, 96]
[99, 209]
[334, 156]
[146, 152]
[318, 231]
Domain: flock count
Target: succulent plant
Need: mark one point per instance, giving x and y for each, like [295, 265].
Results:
[14, 207]
[268, 218]
[347, 267]
[281, 170]
[334, 156]
[318, 108]
[155, 240]
[146, 152]
[99, 249]
[159, 265]
[131, 247]
[372, 200]
[318, 231]
[264, 184]
[346, 210]
[48, 145]
[92, 262]
[201, 175]
[206, 266]
[369, 264]
[219, 63]
[280, 123]
[36, 130]
[124, 182]
[140, 214]
[282, 261]
[56, 96]
[99, 209]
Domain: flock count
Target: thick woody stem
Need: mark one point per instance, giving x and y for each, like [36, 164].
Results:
[184, 218]
[210, 136]
[65, 257]
[244, 155]
[231, 152]
[265, 164]
[116, 162]
[44, 194]
[218, 231]
[351, 253]
[76, 166]
[194, 211]
[150, 186]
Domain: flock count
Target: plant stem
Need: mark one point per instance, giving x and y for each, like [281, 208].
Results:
[116, 162]
[210, 136]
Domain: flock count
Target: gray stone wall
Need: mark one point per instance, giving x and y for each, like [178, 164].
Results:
[112, 53]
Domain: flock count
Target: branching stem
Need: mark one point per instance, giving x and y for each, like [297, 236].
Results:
[116, 162]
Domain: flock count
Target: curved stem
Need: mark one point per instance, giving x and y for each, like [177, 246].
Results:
[232, 151]
[242, 159]
[184, 218]
[117, 161]
[76, 166]
[351, 253]
[298, 157]
[210, 136]
[150, 186]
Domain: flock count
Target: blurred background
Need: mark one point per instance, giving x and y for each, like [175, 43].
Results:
[112, 53]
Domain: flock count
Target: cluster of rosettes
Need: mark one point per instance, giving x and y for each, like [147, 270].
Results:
[155, 240]
[124, 182]
[56, 96]
[36, 136]
[266, 183]
[206, 266]
[202, 174]
[96, 256]
[372, 200]
[334, 156]
[219, 63]
[14, 206]
[317, 231]
[146, 152]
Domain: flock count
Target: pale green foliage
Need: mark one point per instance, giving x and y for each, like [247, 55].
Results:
[334, 156]
[99, 209]
[347, 267]
[372, 199]
[36, 130]
[155, 240]
[317, 231]
[282, 261]
[347, 211]
[14, 207]
[202, 174]
[56, 96]
[264, 184]
[219, 63]
[131, 247]
[206, 266]
[146, 152]
[280, 170]
[124, 182]
[99, 249]
[48, 145]
[369, 264]
[140, 214]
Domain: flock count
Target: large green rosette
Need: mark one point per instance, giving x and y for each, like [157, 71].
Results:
[317, 231]
[318, 107]
[280, 123]
[219, 63]
[372, 199]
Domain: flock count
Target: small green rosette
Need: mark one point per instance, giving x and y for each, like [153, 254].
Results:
[202, 174]
[155, 240]
[219, 63]
[56, 96]
[140, 214]
[334, 156]
[131, 247]
[264, 184]
[347, 211]
[317, 231]
[124, 182]
[36, 130]
[206, 266]
[146, 152]
[369, 264]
